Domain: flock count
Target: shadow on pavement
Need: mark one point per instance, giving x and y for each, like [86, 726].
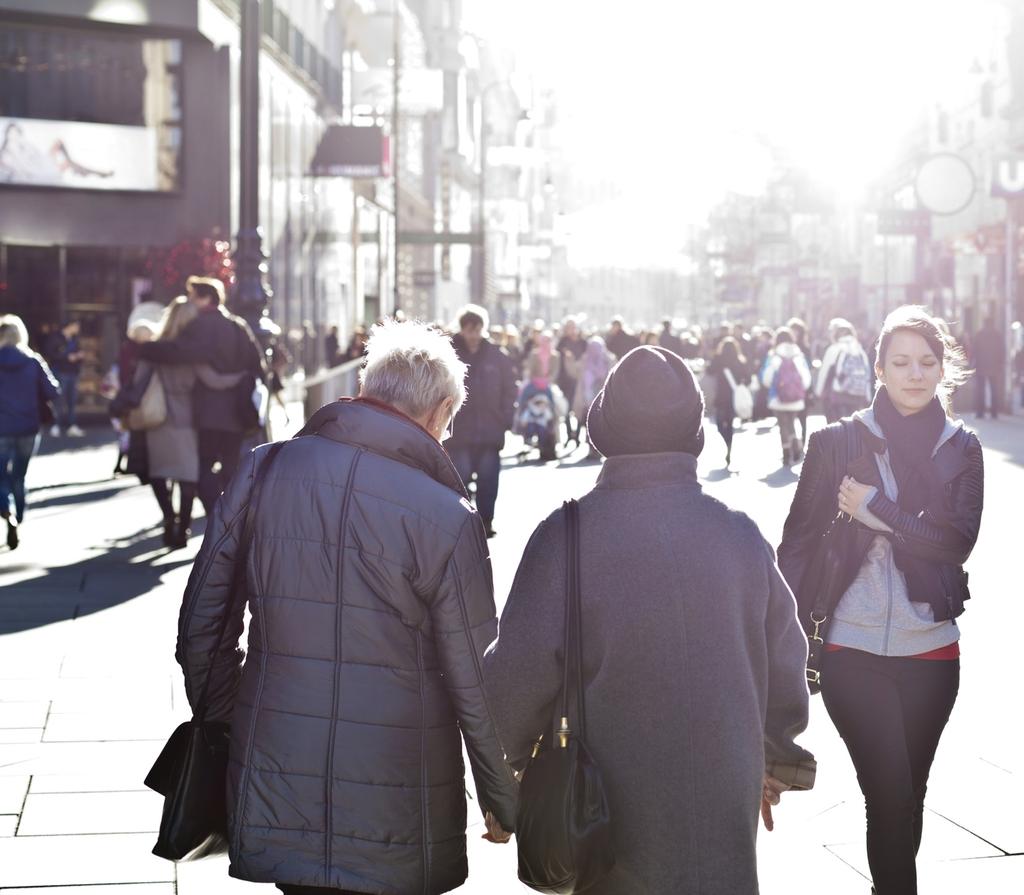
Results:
[79, 497]
[60, 593]
[1004, 435]
[95, 436]
[783, 477]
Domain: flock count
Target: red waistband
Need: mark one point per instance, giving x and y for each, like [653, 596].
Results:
[943, 653]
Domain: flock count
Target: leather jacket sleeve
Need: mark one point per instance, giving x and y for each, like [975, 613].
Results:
[208, 596]
[814, 504]
[465, 623]
[947, 534]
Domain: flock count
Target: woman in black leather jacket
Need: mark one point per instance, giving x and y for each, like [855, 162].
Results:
[911, 482]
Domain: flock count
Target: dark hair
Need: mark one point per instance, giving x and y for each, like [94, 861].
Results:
[783, 335]
[206, 287]
[797, 325]
[470, 318]
[916, 319]
[729, 351]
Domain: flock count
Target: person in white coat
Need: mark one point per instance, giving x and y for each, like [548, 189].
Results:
[844, 381]
[787, 376]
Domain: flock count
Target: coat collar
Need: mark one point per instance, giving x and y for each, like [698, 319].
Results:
[648, 470]
[385, 431]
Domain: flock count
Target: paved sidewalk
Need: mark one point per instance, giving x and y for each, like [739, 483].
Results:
[89, 690]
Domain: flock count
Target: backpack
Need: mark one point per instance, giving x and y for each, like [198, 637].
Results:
[852, 376]
[789, 386]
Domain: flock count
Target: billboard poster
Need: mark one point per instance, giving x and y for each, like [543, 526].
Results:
[77, 155]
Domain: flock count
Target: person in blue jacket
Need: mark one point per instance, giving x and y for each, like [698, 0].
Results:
[26, 387]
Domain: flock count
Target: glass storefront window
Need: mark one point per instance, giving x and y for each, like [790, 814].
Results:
[87, 110]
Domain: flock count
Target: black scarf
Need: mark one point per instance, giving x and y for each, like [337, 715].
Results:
[911, 440]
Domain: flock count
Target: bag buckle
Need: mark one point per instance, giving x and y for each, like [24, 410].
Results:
[818, 622]
[813, 676]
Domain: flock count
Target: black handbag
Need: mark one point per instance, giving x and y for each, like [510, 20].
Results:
[191, 770]
[563, 824]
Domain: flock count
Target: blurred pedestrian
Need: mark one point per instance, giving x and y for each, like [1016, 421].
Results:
[222, 416]
[476, 443]
[911, 482]
[730, 369]
[570, 349]
[595, 365]
[801, 337]
[674, 615]
[346, 771]
[787, 377]
[332, 348]
[357, 344]
[131, 445]
[65, 356]
[27, 387]
[620, 341]
[988, 358]
[844, 380]
[668, 339]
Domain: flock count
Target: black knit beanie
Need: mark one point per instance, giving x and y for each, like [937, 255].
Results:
[650, 404]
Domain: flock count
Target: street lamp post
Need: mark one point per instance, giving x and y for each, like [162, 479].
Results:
[396, 153]
[251, 293]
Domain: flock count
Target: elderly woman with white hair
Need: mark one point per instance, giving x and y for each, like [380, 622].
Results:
[369, 584]
[26, 385]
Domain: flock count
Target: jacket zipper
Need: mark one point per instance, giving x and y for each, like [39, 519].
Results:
[889, 602]
[329, 781]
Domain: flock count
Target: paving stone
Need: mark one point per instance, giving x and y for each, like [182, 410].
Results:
[23, 714]
[55, 814]
[36, 861]
[12, 794]
[102, 727]
[8, 825]
[210, 877]
[21, 735]
[69, 783]
[122, 889]
[118, 758]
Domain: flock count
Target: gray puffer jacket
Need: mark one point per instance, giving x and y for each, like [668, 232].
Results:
[370, 589]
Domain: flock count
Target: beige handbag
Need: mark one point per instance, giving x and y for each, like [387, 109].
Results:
[151, 410]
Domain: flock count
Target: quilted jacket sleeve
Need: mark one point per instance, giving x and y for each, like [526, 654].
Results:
[809, 512]
[787, 707]
[464, 622]
[208, 598]
[944, 535]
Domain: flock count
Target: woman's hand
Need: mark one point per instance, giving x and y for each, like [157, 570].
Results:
[852, 494]
[771, 794]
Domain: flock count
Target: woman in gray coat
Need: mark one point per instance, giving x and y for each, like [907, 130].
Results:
[173, 446]
[369, 585]
[693, 657]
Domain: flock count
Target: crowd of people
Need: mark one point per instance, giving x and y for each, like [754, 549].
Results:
[367, 663]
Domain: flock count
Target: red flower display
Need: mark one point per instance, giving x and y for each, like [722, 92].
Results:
[170, 267]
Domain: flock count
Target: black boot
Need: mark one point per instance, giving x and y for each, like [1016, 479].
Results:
[12, 532]
[170, 531]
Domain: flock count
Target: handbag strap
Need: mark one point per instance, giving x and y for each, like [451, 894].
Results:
[238, 572]
[730, 378]
[572, 661]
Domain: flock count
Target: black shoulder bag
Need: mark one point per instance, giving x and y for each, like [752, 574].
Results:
[563, 825]
[191, 771]
[834, 550]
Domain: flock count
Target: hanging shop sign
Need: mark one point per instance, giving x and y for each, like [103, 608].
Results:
[945, 184]
[1008, 177]
[351, 151]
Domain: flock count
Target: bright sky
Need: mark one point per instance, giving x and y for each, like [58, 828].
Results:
[677, 100]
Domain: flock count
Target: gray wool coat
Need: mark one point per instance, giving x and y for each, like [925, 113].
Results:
[369, 584]
[693, 666]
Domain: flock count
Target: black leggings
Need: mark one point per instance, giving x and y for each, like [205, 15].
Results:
[890, 712]
[186, 497]
[725, 422]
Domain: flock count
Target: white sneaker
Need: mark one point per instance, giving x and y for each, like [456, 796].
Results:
[54, 431]
[75, 432]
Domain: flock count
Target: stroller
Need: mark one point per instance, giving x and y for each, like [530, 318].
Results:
[537, 422]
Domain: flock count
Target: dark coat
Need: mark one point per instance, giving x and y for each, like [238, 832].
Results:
[226, 344]
[490, 397]
[24, 380]
[943, 534]
[58, 349]
[369, 585]
[693, 671]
